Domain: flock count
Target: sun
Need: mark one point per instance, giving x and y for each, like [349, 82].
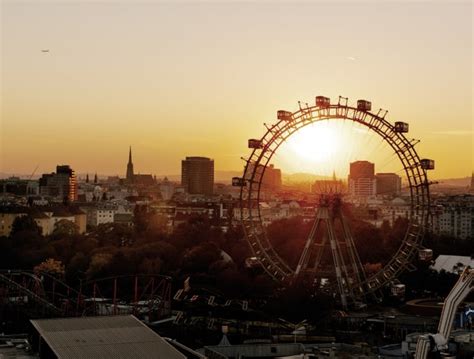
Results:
[317, 143]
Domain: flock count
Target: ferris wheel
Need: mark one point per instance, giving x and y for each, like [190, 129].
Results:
[350, 280]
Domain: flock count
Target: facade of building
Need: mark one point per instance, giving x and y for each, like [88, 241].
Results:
[45, 217]
[197, 175]
[388, 184]
[455, 216]
[7, 217]
[361, 179]
[61, 185]
[271, 177]
[19, 187]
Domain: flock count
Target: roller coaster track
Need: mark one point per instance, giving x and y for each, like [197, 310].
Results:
[149, 295]
[31, 295]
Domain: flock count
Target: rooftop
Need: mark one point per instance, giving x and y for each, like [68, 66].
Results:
[103, 337]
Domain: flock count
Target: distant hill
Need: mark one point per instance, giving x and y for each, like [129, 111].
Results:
[454, 182]
[302, 177]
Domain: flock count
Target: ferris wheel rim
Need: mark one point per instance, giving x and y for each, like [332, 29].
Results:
[418, 185]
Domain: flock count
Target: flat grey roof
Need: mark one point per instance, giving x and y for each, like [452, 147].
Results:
[103, 337]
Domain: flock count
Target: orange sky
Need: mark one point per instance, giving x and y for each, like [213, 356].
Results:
[175, 79]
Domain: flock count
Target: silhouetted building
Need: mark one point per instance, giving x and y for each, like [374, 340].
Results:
[129, 175]
[362, 179]
[388, 183]
[19, 187]
[139, 179]
[197, 175]
[271, 177]
[327, 186]
[143, 180]
[62, 184]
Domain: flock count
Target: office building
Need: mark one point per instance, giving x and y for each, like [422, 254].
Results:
[388, 184]
[61, 185]
[197, 175]
[271, 176]
[362, 179]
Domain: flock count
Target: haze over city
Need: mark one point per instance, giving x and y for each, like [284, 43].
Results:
[174, 79]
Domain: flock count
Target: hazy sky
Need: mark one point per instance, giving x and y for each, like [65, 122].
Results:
[200, 78]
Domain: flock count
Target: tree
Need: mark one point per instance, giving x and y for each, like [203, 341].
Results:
[99, 264]
[65, 227]
[25, 223]
[200, 257]
[50, 266]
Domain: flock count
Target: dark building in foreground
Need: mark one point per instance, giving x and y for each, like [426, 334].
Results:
[62, 184]
[197, 175]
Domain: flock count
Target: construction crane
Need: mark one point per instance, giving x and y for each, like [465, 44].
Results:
[34, 171]
[439, 342]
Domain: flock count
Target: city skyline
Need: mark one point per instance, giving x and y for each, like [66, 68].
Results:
[160, 77]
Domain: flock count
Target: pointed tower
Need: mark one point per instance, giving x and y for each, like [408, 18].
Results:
[87, 178]
[95, 178]
[130, 174]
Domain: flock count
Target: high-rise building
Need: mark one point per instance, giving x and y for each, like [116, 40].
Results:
[388, 184]
[62, 184]
[197, 175]
[362, 179]
[129, 175]
[271, 176]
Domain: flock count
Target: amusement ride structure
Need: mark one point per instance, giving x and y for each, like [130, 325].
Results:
[44, 295]
[348, 278]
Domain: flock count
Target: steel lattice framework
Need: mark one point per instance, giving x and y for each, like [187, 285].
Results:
[43, 295]
[261, 155]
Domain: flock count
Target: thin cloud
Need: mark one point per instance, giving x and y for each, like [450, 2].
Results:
[351, 58]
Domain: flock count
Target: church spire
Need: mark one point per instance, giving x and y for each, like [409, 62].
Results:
[130, 174]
